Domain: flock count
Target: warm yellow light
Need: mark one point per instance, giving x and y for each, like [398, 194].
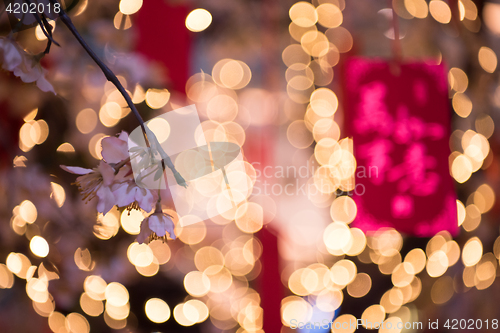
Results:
[157, 98]
[491, 16]
[39, 246]
[303, 14]
[131, 221]
[487, 59]
[198, 20]
[77, 323]
[95, 287]
[462, 104]
[157, 310]
[160, 127]
[39, 33]
[28, 211]
[58, 194]
[86, 120]
[472, 252]
[116, 294]
[440, 11]
[95, 145]
[129, 7]
[197, 283]
[91, 306]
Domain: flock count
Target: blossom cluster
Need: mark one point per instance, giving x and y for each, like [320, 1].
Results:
[112, 183]
[22, 64]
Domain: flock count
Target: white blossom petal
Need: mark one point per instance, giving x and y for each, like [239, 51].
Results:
[76, 170]
[157, 224]
[145, 199]
[124, 193]
[114, 150]
[106, 199]
[145, 232]
[45, 85]
[107, 172]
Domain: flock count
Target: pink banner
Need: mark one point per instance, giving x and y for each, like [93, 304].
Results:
[400, 124]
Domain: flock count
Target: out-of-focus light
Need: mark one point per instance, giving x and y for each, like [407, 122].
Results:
[198, 20]
[117, 312]
[458, 79]
[360, 286]
[180, 316]
[30, 116]
[491, 16]
[372, 314]
[139, 94]
[462, 105]
[196, 283]
[297, 308]
[157, 310]
[417, 8]
[91, 306]
[121, 21]
[232, 74]
[57, 322]
[442, 290]
[303, 14]
[461, 168]
[140, 254]
[160, 127]
[440, 11]
[58, 194]
[343, 321]
[83, 259]
[95, 287]
[95, 145]
[116, 294]
[6, 277]
[472, 252]
[196, 308]
[329, 15]
[417, 259]
[66, 148]
[157, 98]
[110, 114]
[39, 33]
[86, 121]
[39, 246]
[343, 209]
[27, 211]
[131, 221]
[487, 59]
[77, 323]
[129, 7]
[485, 125]
[467, 10]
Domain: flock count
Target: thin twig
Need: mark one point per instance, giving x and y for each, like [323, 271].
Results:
[39, 20]
[111, 77]
[49, 30]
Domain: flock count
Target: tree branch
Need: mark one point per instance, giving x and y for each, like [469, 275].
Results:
[111, 77]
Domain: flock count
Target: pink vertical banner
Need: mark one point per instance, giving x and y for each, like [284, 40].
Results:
[400, 125]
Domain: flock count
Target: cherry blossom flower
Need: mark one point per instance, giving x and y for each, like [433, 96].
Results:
[24, 65]
[115, 149]
[112, 182]
[127, 192]
[129, 195]
[156, 226]
[96, 183]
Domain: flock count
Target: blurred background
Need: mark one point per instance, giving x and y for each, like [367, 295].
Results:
[270, 76]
